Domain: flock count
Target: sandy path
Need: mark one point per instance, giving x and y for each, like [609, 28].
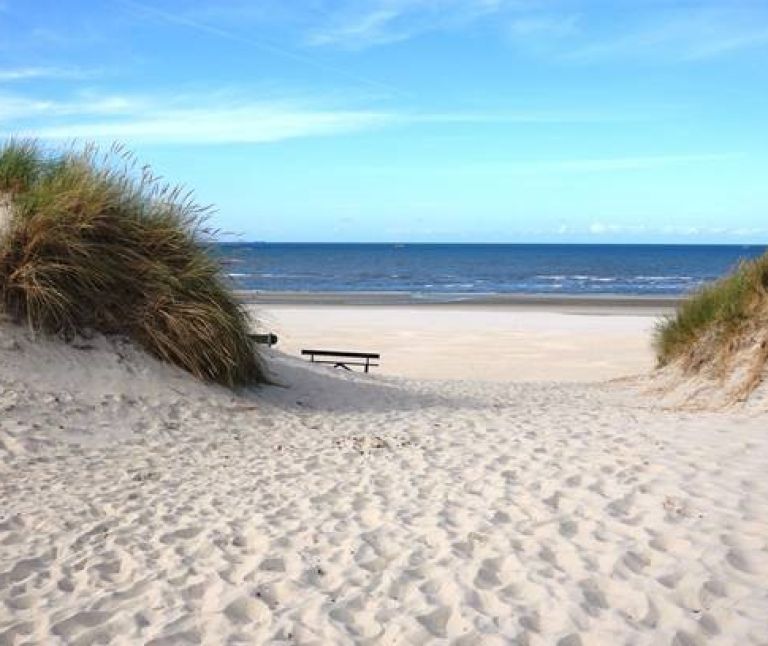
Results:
[345, 510]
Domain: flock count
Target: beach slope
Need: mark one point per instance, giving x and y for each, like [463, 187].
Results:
[140, 506]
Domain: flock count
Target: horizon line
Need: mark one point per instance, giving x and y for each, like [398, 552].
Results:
[501, 244]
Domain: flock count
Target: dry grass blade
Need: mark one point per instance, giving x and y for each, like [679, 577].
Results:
[719, 321]
[93, 244]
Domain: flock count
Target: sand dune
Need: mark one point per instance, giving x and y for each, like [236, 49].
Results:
[139, 506]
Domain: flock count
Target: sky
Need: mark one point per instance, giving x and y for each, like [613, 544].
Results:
[415, 120]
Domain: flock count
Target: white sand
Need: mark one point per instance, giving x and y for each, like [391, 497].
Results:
[473, 342]
[140, 507]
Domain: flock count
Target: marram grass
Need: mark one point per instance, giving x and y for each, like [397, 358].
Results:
[95, 243]
[718, 319]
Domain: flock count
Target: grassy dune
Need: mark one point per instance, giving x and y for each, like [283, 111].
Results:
[719, 322]
[96, 243]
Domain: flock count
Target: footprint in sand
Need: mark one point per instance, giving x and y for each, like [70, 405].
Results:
[487, 576]
[683, 638]
[77, 623]
[185, 534]
[594, 599]
[246, 610]
[22, 570]
[553, 501]
[568, 528]
[436, 622]
[17, 633]
[573, 481]
[635, 562]
[272, 565]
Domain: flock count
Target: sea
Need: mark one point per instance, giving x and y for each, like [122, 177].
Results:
[480, 269]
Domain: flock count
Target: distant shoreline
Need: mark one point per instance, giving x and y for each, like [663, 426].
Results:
[273, 243]
[593, 303]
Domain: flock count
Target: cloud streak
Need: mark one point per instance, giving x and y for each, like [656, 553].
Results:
[608, 229]
[261, 44]
[252, 124]
[54, 73]
[568, 31]
[691, 35]
[357, 25]
[17, 110]
[209, 120]
[666, 33]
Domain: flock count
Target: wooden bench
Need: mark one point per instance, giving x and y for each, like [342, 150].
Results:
[267, 339]
[343, 359]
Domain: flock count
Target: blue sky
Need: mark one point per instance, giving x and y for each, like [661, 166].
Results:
[420, 120]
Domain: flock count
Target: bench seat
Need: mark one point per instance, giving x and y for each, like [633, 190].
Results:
[343, 358]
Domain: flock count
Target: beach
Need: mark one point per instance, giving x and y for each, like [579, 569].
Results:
[514, 338]
[142, 506]
[384, 323]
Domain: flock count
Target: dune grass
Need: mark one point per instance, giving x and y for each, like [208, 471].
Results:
[718, 318]
[96, 243]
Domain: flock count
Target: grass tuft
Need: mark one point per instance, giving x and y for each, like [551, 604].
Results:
[97, 243]
[718, 318]
[20, 163]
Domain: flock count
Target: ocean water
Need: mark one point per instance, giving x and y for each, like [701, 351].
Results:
[478, 269]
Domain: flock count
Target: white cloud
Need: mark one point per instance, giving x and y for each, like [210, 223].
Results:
[192, 21]
[18, 108]
[376, 22]
[683, 35]
[181, 120]
[224, 118]
[562, 30]
[600, 228]
[56, 73]
[255, 124]
[376, 27]
[603, 228]
[571, 31]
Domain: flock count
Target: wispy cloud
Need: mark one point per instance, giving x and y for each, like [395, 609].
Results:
[607, 229]
[358, 24]
[141, 121]
[205, 27]
[55, 73]
[224, 118]
[573, 31]
[259, 124]
[682, 35]
[16, 110]
[375, 27]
